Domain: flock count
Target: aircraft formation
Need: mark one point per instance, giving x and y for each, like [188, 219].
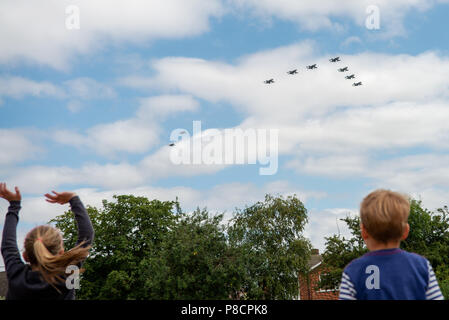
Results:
[315, 66]
[310, 67]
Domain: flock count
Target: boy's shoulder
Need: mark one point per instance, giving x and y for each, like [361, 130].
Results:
[387, 256]
[416, 257]
[397, 273]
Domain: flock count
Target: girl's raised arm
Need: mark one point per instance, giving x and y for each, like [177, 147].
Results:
[10, 251]
[85, 228]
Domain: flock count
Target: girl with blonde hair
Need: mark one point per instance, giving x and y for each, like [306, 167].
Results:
[44, 275]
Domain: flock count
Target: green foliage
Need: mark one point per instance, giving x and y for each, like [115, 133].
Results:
[269, 236]
[429, 237]
[152, 250]
[126, 231]
[444, 286]
[340, 251]
[194, 262]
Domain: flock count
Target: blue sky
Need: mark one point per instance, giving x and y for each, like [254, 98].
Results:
[80, 109]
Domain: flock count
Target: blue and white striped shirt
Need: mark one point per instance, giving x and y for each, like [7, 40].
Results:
[391, 274]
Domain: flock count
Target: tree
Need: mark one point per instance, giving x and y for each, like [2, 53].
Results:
[126, 232]
[273, 251]
[194, 262]
[152, 250]
[340, 251]
[429, 237]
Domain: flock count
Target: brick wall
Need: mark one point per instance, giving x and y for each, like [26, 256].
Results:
[311, 291]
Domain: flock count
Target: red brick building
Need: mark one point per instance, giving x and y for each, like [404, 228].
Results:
[308, 283]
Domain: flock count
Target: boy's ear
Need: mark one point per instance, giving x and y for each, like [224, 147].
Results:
[363, 232]
[406, 231]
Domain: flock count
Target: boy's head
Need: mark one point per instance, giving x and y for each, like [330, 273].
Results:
[384, 215]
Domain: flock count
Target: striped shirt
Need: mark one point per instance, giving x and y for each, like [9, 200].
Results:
[433, 289]
[391, 274]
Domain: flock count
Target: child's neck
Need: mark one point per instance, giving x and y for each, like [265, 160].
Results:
[373, 245]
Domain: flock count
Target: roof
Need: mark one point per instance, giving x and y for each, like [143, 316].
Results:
[3, 284]
[315, 261]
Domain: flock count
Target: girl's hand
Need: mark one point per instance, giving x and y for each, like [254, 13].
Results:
[60, 197]
[8, 195]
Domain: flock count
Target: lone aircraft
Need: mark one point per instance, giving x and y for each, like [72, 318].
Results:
[356, 84]
[269, 81]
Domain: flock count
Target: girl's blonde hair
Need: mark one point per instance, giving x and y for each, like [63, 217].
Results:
[43, 246]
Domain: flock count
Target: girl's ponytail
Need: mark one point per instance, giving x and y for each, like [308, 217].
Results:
[43, 247]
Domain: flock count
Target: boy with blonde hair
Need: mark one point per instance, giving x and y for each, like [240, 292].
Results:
[387, 272]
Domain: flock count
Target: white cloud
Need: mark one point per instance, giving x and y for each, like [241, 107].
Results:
[166, 105]
[328, 127]
[385, 78]
[351, 41]
[331, 166]
[337, 134]
[84, 89]
[432, 198]
[367, 129]
[74, 106]
[36, 179]
[422, 176]
[18, 87]
[39, 179]
[158, 165]
[406, 173]
[88, 89]
[17, 146]
[36, 32]
[314, 15]
[346, 132]
[218, 199]
[343, 119]
[412, 173]
[326, 223]
[133, 135]
[77, 90]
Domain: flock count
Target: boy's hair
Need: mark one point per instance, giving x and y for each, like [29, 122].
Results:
[384, 214]
[43, 245]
